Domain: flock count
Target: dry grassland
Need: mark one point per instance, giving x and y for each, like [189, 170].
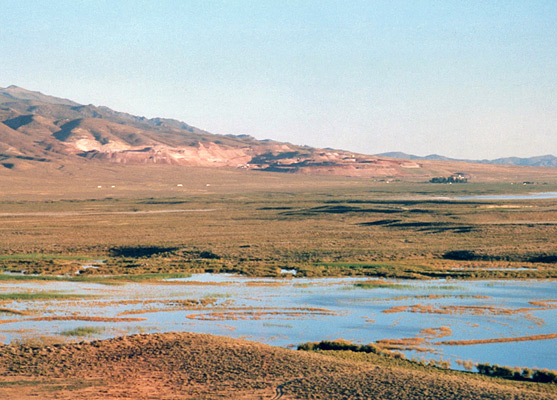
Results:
[189, 366]
[258, 224]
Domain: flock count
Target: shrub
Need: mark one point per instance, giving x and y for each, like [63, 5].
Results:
[527, 373]
[461, 255]
[208, 255]
[140, 251]
[484, 369]
[544, 376]
[309, 346]
[338, 345]
[502, 372]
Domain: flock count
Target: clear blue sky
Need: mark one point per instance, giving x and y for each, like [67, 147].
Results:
[475, 79]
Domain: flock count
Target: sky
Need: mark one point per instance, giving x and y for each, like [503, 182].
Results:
[465, 79]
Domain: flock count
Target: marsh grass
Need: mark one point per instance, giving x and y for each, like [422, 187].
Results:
[445, 288]
[83, 331]
[130, 277]
[272, 324]
[10, 277]
[102, 279]
[45, 256]
[42, 296]
[379, 285]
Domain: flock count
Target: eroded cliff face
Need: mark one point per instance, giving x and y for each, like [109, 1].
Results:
[203, 155]
[267, 157]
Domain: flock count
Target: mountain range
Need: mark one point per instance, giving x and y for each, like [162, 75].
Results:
[36, 129]
[538, 161]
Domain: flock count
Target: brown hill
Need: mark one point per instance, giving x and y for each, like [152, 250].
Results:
[195, 366]
[36, 129]
[53, 129]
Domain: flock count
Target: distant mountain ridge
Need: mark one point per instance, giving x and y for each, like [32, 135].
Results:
[548, 160]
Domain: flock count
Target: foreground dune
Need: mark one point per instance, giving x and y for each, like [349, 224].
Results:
[194, 366]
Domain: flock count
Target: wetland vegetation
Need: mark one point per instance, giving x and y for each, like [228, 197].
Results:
[421, 268]
[403, 231]
[509, 322]
[82, 331]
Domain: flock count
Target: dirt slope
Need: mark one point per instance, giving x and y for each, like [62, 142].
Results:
[194, 366]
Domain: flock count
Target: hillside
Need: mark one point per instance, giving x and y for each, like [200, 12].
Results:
[195, 366]
[38, 128]
[45, 133]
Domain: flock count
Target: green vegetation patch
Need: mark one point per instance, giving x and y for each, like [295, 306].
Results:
[83, 331]
[10, 277]
[41, 296]
[380, 285]
[108, 279]
[129, 278]
[446, 287]
[275, 325]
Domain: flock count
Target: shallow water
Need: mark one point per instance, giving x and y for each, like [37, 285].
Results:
[285, 312]
[542, 195]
